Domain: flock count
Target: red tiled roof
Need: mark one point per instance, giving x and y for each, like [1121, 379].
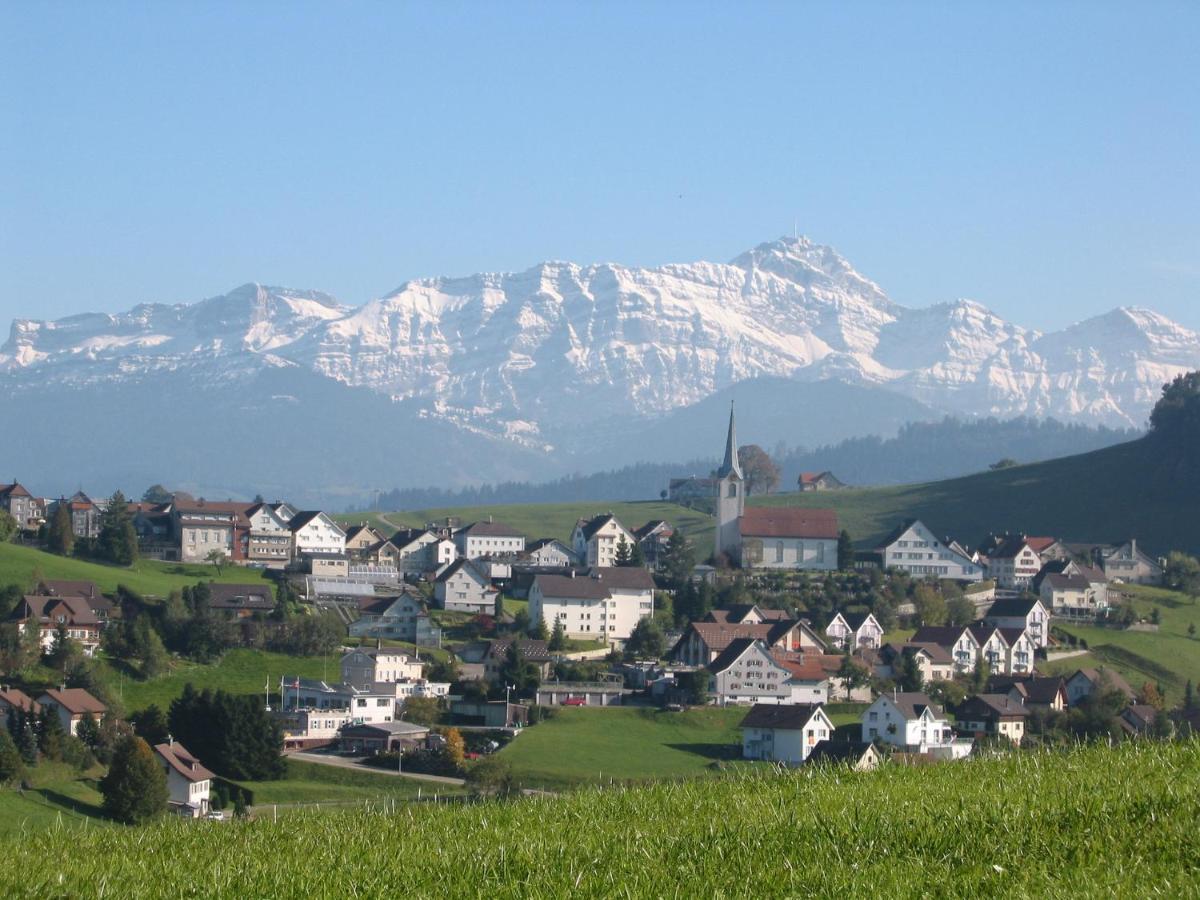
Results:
[16, 697]
[794, 523]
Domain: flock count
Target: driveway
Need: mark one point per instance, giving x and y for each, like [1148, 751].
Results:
[344, 762]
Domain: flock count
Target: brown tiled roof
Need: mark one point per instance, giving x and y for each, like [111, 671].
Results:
[1039, 544]
[75, 609]
[86, 589]
[76, 701]
[804, 668]
[489, 529]
[183, 762]
[16, 697]
[718, 635]
[789, 523]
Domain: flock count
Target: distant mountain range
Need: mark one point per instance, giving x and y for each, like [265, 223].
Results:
[530, 376]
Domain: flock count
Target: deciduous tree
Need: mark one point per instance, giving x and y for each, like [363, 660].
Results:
[759, 470]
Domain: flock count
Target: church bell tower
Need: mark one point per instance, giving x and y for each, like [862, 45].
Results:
[731, 498]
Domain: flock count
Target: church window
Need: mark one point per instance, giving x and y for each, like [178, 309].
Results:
[732, 492]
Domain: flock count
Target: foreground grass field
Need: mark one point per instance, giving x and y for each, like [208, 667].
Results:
[582, 744]
[18, 563]
[1090, 822]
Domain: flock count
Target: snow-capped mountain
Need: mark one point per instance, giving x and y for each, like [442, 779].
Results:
[561, 357]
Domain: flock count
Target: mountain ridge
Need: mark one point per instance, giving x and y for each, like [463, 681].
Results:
[558, 359]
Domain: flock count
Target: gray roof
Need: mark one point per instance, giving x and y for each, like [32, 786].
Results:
[780, 715]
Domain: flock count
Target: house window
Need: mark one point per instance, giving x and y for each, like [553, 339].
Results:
[779, 551]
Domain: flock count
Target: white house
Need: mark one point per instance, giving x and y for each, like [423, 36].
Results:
[550, 552]
[71, 705]
[915, 549]
[315, 532]
[270, 534]
[1021, 651]
[992, 715]
[403, 618]
[993, 648]
[461, 587]
[601, 603]
[785, 733]
[959, 641]
[911, 722]
[934, 661]
[488, 539]
[595, 541]
[366, 669]
[1025, 613]
[854, 630]
[747, 672]
[1011, 561]
[188, 782]
[365, 706]
[420, 550]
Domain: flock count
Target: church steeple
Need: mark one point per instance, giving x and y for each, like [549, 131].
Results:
[730, 466]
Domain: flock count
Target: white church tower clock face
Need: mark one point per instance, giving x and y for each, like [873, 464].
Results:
[731, 497]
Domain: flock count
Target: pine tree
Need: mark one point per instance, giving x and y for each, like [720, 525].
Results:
[135, 788]
[22, 729]
[150, 724]
[118, 539]
[60, 538]
[845, 551]
[623, 555]
[637, 557]
[154, 655]
[12, 766]
[558, 637]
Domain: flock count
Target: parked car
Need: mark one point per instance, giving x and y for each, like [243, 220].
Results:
[215, 815]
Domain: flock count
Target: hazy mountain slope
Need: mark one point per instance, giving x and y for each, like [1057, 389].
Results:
[565, 367]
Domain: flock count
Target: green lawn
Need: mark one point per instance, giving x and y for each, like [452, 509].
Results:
[1087, 822]
[556, 520]
[18, 563]
[58, 796]
[581, 744]
[240, 671]
[1168, 656]
[308, 782]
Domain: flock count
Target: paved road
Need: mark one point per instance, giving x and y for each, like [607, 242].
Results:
[343, 762]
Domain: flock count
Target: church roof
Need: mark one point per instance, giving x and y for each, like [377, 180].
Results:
[730, 466]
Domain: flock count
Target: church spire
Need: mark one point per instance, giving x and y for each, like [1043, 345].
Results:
[731, 464]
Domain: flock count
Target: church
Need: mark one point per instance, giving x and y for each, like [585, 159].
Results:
[769, 537]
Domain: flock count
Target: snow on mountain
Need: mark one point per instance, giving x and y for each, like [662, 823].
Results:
[543, 358]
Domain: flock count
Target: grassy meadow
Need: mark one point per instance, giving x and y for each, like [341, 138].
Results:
[18, 564]
[1092, 821]
[554, 520]
[589, 744]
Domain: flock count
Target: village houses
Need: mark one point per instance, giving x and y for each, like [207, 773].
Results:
[784, 733]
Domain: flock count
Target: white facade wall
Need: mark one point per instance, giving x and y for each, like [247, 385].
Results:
[919, 552]
[611, 619]
[818, 554]
[319, 535]
[473, 546]
[884, 720]
[787, 745]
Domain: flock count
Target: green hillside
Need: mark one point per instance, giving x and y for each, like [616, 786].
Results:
[18, 563]
[1129, 490]
[538, 520]
[1089, 822]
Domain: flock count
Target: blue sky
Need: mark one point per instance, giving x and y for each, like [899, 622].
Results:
[1040, 158]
